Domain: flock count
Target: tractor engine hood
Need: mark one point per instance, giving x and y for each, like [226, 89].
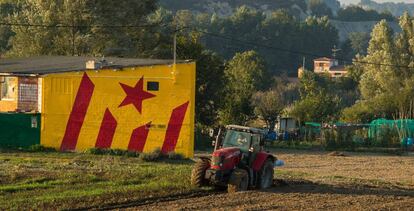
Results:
[226, 158]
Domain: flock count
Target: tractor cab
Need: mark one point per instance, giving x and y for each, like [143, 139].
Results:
[245, 138]
[248, 141]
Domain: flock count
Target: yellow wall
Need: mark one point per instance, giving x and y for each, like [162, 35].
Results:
[60, 91]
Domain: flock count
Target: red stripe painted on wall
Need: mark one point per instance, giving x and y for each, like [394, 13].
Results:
[174, 128]
[78, 113]
[107, 131]
[139, 138]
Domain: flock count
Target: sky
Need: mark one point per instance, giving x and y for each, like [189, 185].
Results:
[380, 1]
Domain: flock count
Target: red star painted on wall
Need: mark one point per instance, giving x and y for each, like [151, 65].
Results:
[135, 95]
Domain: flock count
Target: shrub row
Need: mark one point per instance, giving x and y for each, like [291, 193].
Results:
[153, 156]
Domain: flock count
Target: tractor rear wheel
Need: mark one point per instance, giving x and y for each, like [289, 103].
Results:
[239, 181]
[199, 171]
[266, 175]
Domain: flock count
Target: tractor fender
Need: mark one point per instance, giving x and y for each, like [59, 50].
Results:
[260, 159]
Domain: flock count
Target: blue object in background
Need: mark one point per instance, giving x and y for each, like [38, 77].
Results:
[286, 136]
[407, 142]
[279, 163]
[271, 136]
[410, 142]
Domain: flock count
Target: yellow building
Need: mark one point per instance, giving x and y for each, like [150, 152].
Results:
[129, 104]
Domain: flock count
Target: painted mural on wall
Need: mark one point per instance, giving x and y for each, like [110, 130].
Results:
[135, 110]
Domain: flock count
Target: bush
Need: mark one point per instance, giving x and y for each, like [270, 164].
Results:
[175, 156]
[114, 152]
[151, 157]
[41, 148]
[96, 151]
[338, 139]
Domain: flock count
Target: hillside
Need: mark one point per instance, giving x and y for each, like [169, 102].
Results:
[298, 8]
[225, 8]
[397, 9]
[345, 28]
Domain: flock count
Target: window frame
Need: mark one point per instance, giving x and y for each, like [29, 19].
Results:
[4, 82]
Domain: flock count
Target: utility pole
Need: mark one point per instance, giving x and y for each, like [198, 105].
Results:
[175, 47]
[73, 36]
[335, 51]
[304, 62]
[174, 71]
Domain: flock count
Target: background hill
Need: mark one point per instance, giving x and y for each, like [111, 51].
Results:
[397, 9]
[297, 8]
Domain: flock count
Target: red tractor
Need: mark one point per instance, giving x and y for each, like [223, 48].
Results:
[238, 162]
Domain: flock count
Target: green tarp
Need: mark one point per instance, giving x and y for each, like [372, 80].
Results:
[380, 126]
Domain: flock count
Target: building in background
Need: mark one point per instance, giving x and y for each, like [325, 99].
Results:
[78, 103]
[329, 66]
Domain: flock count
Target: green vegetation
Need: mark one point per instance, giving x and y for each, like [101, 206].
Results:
[357, 13]
[70, 181]
[319, 8]
[386, 88]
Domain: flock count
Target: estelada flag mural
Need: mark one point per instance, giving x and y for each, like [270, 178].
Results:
[137, 109]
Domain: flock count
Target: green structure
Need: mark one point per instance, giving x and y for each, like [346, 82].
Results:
[18, 130]
[403, 127]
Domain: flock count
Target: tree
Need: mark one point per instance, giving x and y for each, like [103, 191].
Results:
[405, 45]
[124, 41]
[82, 32]
[357, 13]
[209, 81]
[245, 74]
[268, 105]
[319, 102]
[387, 75]
[323, 97]
[280, 30]
[359, 42]
[320, 108]
[319, 8]
[7, 8]
[35, 40]
[380, 79]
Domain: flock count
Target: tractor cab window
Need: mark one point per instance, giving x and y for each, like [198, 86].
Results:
[256, 142]
[237, 139]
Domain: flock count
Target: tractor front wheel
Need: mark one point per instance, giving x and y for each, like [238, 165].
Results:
[266, 175]
[239, 181]
[199, 171]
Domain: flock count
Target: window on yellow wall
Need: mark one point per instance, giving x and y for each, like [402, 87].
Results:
[153, 86]
[8, 88]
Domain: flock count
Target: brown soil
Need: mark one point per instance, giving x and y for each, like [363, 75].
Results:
[316, 180]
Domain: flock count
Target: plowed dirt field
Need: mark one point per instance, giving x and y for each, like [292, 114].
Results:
[317, 180]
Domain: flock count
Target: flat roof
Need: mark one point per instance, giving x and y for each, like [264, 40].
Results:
[325, 59]
[40, 65]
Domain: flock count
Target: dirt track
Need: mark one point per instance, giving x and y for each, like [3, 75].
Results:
[315, 180]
